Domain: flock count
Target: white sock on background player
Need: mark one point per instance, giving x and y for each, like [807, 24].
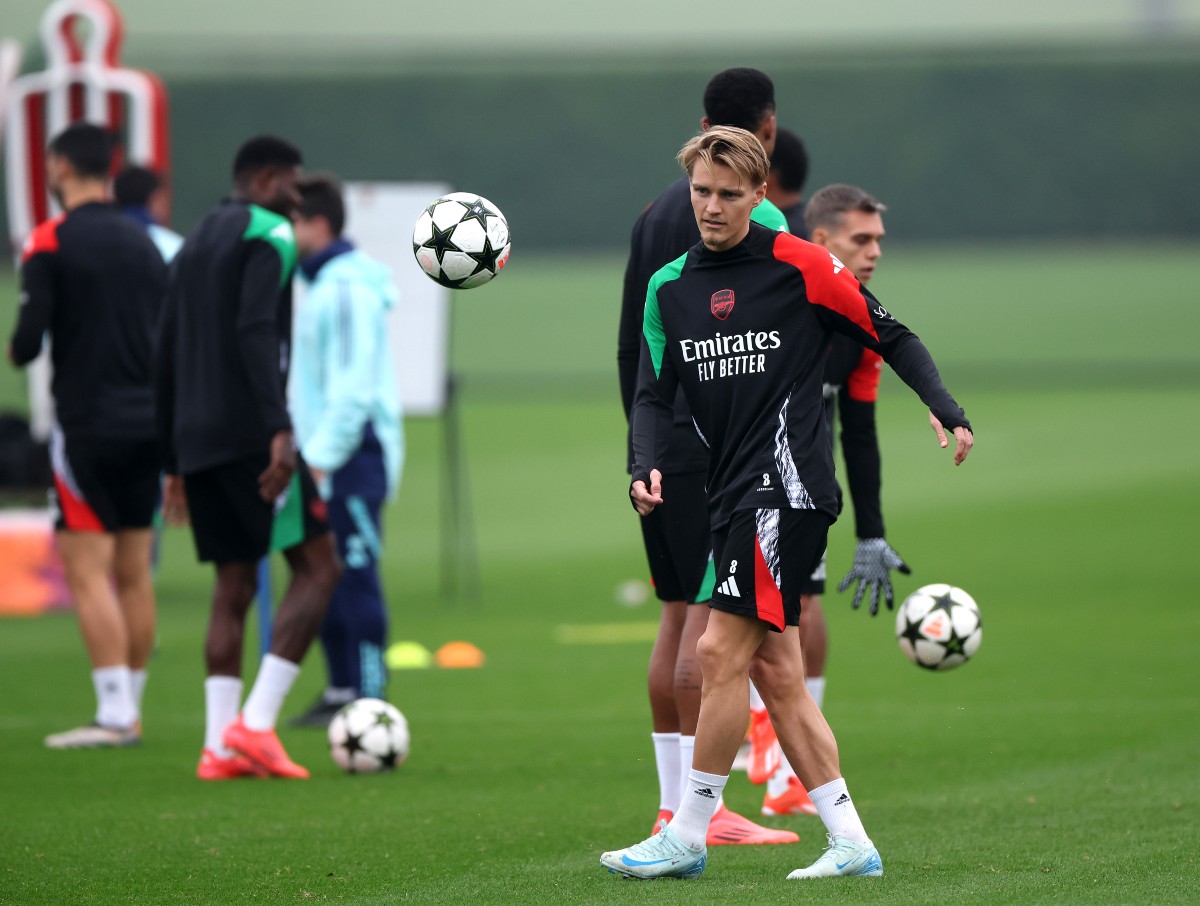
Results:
[271, 686]
[756, 702]
[816, 688]
[114, 697]
[138, 678]
[837, 810]
[666, 759]
[222, 697]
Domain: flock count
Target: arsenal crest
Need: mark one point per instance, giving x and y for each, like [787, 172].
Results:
[721, 304]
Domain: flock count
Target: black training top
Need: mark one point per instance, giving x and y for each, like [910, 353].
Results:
[223, 349]
[94, 281]
[743, 332]
[664, 231]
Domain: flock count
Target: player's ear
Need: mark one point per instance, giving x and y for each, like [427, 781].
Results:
[769, 127]
[705, 125]
[820, 236]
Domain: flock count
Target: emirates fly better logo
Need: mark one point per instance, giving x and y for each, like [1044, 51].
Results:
[721, 303]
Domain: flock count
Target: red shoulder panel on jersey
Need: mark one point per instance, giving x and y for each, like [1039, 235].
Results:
[828, 281]
[43, 238]
[863, 383]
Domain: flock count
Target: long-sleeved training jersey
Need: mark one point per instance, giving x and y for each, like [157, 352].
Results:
[743, 333]
[94, 281]
[223, 350]
[663, 232]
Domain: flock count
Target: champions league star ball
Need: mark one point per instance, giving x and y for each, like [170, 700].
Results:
[939, 627]
[368, 735]
[461, 240]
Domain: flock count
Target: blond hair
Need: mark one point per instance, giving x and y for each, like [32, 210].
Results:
[737, 149]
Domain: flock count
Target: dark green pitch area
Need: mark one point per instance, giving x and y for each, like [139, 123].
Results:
[1059, 765]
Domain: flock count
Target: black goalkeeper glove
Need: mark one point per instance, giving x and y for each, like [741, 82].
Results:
[873, 561]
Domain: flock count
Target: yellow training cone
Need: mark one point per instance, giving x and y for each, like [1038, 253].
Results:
[408, 656]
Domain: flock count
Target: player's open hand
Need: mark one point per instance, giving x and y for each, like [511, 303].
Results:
[279, 471]
[174, 501]
[964, 440]
[873, 561]
[645, 500]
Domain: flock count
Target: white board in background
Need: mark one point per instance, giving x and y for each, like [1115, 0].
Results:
[379, 220]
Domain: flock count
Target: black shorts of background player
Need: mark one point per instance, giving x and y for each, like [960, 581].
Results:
[222, 371]
[92, 281]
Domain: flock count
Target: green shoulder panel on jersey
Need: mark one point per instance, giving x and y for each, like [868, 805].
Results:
[767, 214]
[652, 328]
[276, 231]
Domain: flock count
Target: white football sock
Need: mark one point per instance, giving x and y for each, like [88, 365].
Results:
[139, 687]
[666, 759]
[271, 686]
[837, 810]
[222, 697]
[756, 702]
[701, 797]
[816, 688]
[114, 697]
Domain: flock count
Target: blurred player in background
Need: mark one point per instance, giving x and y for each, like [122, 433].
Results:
[785, 185]
[849, 223]
[93, 282]
[677, 536]
[232, 465]
[740, 323]
[142, 195]
[346, 408]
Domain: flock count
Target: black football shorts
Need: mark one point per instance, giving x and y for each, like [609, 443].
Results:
[104, 484]
[231, 523]
[678, 541]
[764, 557]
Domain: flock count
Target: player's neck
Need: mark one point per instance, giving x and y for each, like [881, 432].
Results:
[78, 193]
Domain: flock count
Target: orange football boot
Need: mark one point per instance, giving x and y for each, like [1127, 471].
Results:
[213, 767]
[793, 801]
[729, 828]
[765, 755]
[263, 749]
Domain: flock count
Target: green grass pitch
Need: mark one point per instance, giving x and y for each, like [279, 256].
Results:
[1058, 766]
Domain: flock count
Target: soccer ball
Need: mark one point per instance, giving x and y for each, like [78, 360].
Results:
[939, 627]
[461, 240]
[368, 735]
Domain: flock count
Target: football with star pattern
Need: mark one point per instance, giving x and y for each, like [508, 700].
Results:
[939, 627]
[367, 736]
[461, 240]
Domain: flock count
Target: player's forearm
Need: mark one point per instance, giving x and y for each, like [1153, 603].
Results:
[34, 319]
[864, 467]
[650, 432]
[260, 352]
[912, 362]
[629, 346]
[338, 434]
